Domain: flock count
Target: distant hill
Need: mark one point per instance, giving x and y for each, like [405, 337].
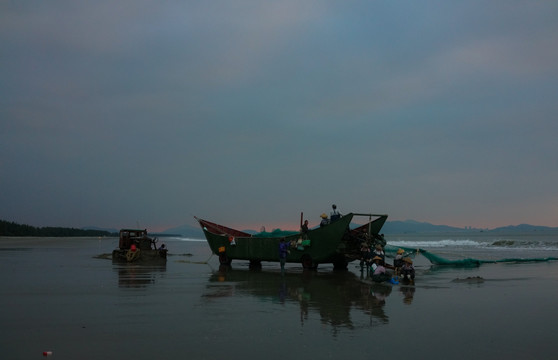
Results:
[13, 229]
[411, 226]
[390, 227]
[524, 228]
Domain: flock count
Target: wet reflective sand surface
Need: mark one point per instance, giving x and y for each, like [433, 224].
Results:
[59, 295]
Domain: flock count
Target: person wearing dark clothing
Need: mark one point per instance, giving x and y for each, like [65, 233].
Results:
[365, 256]
[283, 252]
[334, 213]
[304, 230]
[408, 270]
[398, 261]
[325, 220]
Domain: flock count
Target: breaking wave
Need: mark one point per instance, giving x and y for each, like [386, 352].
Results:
[467, 243]
[434, 243]
[183, 239]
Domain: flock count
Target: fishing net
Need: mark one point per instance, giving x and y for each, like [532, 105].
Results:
[438, 260]
[276, 233]
[467, 262]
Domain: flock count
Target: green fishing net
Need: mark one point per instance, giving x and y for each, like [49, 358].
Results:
[467, 262]
[276, 233]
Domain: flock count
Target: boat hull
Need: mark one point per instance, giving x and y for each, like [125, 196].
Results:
[322, 245]
[140, 256]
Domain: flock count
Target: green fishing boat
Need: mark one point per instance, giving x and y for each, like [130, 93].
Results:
[317, 246]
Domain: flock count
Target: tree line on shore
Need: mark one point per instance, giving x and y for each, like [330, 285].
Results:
[13, 229]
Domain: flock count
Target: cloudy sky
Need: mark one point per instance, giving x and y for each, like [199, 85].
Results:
[126, 113]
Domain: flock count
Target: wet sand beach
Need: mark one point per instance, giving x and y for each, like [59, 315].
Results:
[58, 295]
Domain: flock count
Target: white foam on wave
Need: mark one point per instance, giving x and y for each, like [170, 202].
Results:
[467, 243]
[186, 239]
[435, 243]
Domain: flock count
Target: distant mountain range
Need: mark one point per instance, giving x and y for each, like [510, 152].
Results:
[524, 228]
[412, 226]
[390, 227]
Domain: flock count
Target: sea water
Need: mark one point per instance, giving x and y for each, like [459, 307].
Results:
[66, 297]
[485, 246]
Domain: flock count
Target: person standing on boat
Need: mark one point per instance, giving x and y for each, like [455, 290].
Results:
[325, 220]
[304, 230]
[283, 252]
[334, 213]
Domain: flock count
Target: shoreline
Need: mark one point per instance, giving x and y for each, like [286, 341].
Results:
[11, 241]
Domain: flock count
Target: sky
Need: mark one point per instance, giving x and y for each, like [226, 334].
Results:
[247, 113]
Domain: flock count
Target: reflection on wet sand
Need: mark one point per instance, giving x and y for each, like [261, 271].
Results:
[332, 295]
[408, 292]
[137, 276]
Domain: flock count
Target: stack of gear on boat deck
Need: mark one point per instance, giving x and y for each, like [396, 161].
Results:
[300, 244]
[379, 239]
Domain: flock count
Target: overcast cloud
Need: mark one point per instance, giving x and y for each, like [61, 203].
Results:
[128, 113]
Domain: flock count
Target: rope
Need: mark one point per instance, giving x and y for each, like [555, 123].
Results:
[132, 255]
[197, 262]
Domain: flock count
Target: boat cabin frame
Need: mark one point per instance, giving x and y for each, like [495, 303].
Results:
[131, 236]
